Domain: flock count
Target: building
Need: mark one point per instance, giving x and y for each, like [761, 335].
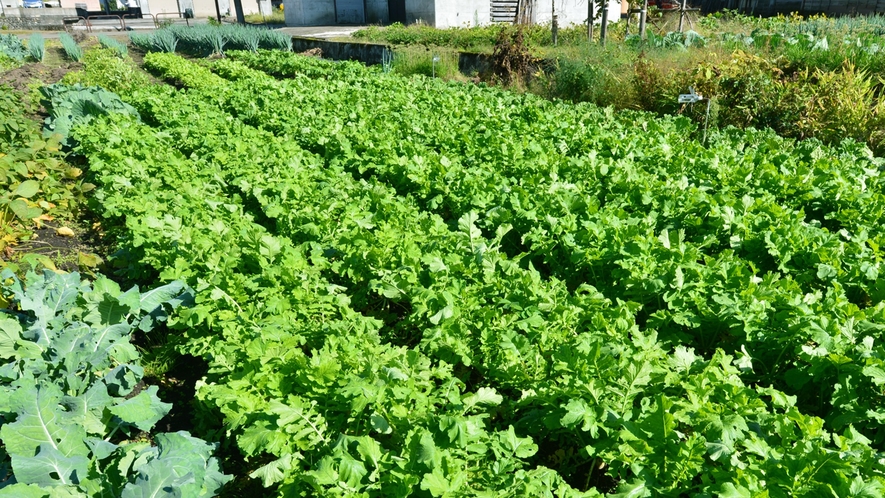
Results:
[438, 13]
[164, 9]
[805, 7]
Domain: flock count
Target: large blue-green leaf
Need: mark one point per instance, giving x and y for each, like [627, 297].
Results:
[143, 410]
[49, 467]
[40, 420]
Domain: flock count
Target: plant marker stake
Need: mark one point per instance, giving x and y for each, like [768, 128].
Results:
[707, 120]
[435, 60]
[692, 98]
[387, 59]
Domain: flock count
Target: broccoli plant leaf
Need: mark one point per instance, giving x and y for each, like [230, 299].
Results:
[49, 467]
[143, 410]
[40, 420]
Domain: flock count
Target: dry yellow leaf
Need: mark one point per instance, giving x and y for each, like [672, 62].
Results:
[64, 232]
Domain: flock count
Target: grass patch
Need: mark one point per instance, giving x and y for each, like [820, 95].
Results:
[275, 17]
[417, 60]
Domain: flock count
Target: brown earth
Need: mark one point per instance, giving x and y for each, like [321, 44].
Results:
[19, 78]
[68, 253]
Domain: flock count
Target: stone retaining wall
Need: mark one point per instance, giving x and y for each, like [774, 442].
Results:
[28, 19]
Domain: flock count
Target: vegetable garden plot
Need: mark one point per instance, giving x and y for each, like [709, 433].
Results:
[373, 327]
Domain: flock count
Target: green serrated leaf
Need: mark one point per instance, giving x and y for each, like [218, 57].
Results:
[729, 490]
[143, 410]
[275, 471]
[436, 483]
[633, 489]
[351, 471]
[483, 396]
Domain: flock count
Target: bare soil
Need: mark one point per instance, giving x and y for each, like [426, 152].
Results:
[66, 252]
[19, 78]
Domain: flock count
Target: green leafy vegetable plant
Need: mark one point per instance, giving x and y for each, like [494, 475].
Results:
[71, 48]
[72, 105]
[36, 47]
[118, 47]
[72, 397]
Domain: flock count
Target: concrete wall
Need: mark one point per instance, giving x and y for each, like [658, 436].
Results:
[422, 10]
[377, 12]
[39, 13]
[29, 19]
[367, 53]
[309, 12]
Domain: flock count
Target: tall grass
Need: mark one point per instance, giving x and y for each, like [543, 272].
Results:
[415, 60]
[72, 50]
[36, 47]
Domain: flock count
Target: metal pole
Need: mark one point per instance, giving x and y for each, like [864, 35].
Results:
[218, 11]
[553, 20]
[682, 15]
[555, 30]
[238, 7]
[591, 13]
[642, 14]
[603, 28]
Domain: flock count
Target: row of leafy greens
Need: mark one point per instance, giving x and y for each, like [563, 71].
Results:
[407, 287]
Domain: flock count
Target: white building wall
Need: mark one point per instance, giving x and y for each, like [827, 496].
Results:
[572, 11]
[439, 13]
[462, 13]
